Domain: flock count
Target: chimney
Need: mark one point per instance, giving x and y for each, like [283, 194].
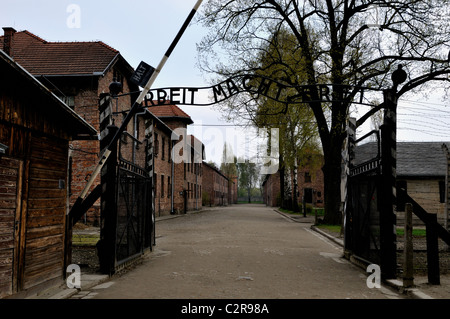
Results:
[8, 40]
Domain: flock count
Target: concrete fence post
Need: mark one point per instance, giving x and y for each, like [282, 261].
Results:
[408, 270]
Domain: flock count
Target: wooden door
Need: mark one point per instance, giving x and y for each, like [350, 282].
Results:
[10, 199]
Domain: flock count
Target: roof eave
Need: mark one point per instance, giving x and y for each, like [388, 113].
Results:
[85, 127]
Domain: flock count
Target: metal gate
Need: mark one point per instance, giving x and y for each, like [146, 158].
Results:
[363, 208]
[370, 219]
[134, 219]
[127, 227]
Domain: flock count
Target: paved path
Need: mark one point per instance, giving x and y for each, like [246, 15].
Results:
[241, 252]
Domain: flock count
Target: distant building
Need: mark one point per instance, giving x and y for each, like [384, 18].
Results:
[178, 184]
[272, 190]
[215, 186]
[310, 183]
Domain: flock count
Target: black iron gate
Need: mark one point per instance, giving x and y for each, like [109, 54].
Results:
[134, 214]
[127, 222]
[363, 207]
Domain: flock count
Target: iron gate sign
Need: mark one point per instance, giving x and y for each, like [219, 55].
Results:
[256, 85]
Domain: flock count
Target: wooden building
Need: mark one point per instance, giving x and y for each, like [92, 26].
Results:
[36, 128]
[421, 171]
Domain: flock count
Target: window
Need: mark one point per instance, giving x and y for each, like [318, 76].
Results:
[156, 146]
[163, 148]
[169, 187]
[308, 194]
[307, 177]
[162, 185]
[442, 191]
[68, 100]
[169, 151]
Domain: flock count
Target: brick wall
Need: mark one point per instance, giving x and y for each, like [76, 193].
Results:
[215, 187]
[186, 177]
[271, 190]
[163, 172]
[85, 154]
[310, 179]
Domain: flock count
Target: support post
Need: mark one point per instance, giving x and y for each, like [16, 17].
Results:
[348, 159]
[447, 191]
[150, 167]
[408, 270]
[107, 244]
[388, 188]
[432, 250]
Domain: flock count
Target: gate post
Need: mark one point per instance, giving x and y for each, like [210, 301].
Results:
[108, 218]
[408, 271]
[432, 250]
[107, 244]
[447, 191]
[388, 186]
[150, 236]
[348, 156]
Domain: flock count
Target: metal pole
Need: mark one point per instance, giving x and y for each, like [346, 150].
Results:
[136, 105]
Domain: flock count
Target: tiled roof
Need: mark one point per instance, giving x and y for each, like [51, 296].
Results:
[414, 159]
[169, 111]
[40, 57]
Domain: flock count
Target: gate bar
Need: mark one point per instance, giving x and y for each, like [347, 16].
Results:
[135, 107]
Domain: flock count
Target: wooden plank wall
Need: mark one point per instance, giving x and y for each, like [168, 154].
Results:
[10, 171]
[38, 139]
[46, 213]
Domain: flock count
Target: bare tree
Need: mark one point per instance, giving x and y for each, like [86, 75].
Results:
[348, 43]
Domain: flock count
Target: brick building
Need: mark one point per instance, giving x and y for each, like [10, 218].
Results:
[271, 190]
[178, 183]
[233, 190]
[309, 180]
[215, 187]
[77, 72]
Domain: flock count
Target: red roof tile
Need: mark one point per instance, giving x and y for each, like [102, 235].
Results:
[40, 57]
[168, 110]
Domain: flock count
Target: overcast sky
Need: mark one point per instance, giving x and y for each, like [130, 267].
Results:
[142, 30]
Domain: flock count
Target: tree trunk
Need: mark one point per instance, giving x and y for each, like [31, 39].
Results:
[332, 187]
